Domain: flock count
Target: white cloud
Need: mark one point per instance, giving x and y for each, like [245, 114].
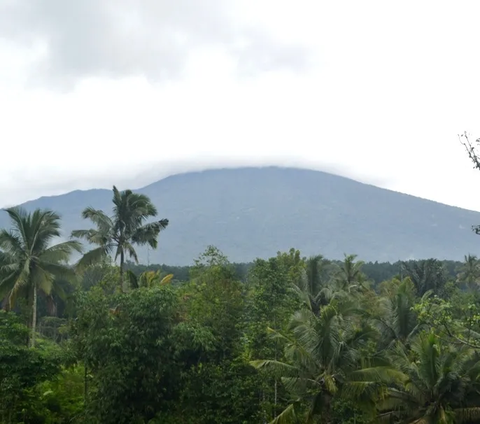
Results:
[118, 38]
[373, 90]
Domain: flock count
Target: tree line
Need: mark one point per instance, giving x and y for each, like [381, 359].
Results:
[289, 339]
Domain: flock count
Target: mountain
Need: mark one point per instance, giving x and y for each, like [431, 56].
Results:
[255, 212]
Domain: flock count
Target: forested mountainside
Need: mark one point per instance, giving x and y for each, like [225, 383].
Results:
[255, 212]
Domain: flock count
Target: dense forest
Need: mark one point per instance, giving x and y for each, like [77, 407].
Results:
[284, 340]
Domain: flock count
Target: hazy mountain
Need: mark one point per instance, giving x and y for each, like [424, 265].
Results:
[255, 212]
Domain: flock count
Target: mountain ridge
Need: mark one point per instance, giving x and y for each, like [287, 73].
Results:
[256, 211]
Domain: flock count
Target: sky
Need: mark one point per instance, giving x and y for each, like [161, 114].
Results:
[124, 92]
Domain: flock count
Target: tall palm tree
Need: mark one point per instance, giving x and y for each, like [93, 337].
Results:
[30, 263]
[119, 233]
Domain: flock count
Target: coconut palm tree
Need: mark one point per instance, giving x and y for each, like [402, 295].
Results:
[349, 276]
[319, 356]
[426, 275]
[117, 235]
[438, 383]
[470, 272]
[30, 263]
[313, 287]
[396, 319]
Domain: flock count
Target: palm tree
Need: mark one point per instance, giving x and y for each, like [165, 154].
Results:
[438, 383]
[30, 263]
[321, 353]
[470, 272]
[148, 279]
[396, 319]
[427, 274]
[118, 234]
[349, 276]
[313, 287]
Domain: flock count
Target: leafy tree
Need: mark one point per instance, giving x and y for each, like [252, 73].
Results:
[117, 235]
[218, 393]
[129, 344]
[214, 299]
[21, 369]
[30, 263]
[456, 320]
[218, 385]
[293, 263]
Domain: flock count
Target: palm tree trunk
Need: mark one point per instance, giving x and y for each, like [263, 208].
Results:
[85, 384]
[34, 317]
[122, 261]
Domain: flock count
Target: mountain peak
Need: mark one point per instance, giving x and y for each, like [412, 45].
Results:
[257, 211]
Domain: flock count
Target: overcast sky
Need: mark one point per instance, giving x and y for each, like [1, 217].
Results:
[97, 92]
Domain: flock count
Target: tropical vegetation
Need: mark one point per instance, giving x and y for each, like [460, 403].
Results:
[88, 336]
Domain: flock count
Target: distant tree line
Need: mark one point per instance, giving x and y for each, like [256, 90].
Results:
[375, 271]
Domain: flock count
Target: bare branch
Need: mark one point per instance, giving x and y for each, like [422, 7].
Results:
[471, 149]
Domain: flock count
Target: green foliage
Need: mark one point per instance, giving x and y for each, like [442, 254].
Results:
[272, 299]
[60, 400]
[224, 393]
[440, 382]
[22, 370]
[127, 342]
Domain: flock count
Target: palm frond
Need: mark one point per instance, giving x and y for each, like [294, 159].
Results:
[132, 278]
[465, 415]
[287, 416]
[60, 252]
[19, 218]
[166, 280]
[43, 279]
[130, 251]
[92, 257]
[11, 243]
[99, 218]
[18, 282]
[92, 236]
[43, 227]
[264, 363]
[148, 233]
[58, 270]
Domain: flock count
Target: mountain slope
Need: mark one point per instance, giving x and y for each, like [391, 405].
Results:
[255, 212]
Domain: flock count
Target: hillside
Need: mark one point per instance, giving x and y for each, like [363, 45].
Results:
[253, 212]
